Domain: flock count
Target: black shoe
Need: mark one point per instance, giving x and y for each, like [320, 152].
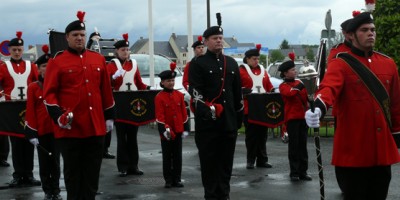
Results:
[123, 174]
[4, 163]
[250, 166]
[48, 196]
[135, 172]
[294, 178]
[167, 185]
[31, 181]
[305, 177]
[264, 165]
[16, 182]
[56, 197]
[108, 155]
[177, 184]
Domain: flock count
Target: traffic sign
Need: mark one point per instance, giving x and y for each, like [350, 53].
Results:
[324, 33]
[4, 48]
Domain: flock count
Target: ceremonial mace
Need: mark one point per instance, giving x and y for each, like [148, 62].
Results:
[311, 79]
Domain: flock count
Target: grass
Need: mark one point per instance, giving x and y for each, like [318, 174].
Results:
[324, 131]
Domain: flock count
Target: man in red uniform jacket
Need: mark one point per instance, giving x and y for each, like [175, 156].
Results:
[125, 76]
[15, 76]
[364, 148]
[78, 97]
[255, 80]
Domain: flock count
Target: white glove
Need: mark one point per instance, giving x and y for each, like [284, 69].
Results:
[276, 90]
[34, 141]
[152, 88]
[185, 134]
[118, 73]
[109, 125]
[312, 118]
[167, 134]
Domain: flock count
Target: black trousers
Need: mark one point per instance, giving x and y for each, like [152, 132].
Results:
[49, 165]
[4, 147]
[172, 159]
[82, 162]
[216, 153]
[107, 142]
[256, 142]
[127, 147]
[22, 157]
[298, 155]
[364, 183]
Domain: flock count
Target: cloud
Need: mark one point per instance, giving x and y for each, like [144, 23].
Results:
[259, 21]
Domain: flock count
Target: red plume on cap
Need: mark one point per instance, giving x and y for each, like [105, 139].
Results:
[80, 15]
[172, 65]
[292, 56]
[19, 34]
[356, 12]
[125, 36]
[258, 47]
[370, 5]
[45, 49]
[199, 38]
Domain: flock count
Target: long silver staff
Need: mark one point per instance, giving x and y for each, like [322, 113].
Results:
[311, 80]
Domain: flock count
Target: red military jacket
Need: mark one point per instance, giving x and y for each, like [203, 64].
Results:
[171, 110]
[37, 119]
[294, 100]
[127, 66]
[362, 136]
[7, 81]
[79, 82]
[247, 82]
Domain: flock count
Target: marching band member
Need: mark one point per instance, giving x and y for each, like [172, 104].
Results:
[215, 87]
[363, 85]
[15, 76]
[79, 99]
[171, 117]
[294, 96]
[39, 129]
[198, 48]
[125, 76]
[255, 80]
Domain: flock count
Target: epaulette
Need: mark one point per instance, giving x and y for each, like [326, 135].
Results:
[337, 55]
[382, 54]
[58, 52]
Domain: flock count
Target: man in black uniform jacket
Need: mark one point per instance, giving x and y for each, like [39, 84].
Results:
[214, 84]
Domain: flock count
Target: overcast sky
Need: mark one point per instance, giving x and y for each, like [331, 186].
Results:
[267, 22]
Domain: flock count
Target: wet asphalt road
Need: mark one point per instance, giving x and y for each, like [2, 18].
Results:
[273, 184]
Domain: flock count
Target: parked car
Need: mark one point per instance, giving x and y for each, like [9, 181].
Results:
[274, 74]
[161, 63]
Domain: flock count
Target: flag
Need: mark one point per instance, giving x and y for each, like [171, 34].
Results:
[266, 109]
[12, 118]
[135, 107]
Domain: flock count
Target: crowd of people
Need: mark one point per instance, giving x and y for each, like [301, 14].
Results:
[71, 111]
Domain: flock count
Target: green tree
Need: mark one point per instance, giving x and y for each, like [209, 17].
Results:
[387, 22]
[263, 60]
[310, 55]
[276, 55]
[284, 44]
